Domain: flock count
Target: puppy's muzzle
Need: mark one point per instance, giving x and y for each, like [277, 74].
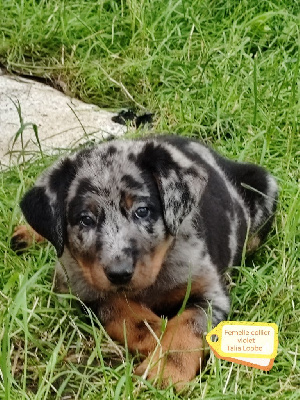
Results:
[120, 273]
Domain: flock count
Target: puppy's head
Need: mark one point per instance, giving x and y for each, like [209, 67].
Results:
[116, 209]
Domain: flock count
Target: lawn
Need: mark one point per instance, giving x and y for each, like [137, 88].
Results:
[226, 72]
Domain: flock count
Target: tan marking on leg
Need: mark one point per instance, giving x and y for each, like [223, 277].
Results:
[129, 315]
[26, 235]
[252, 244]
[179, 357]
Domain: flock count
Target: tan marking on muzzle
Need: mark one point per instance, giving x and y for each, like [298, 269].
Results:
[93, 273]
[146, 270]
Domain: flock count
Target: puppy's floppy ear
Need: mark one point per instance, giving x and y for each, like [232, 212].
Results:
[44, 205]
[180, 181]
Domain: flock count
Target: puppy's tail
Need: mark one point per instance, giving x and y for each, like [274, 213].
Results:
[260, 192]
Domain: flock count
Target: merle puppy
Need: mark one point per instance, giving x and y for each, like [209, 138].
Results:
[141, 227]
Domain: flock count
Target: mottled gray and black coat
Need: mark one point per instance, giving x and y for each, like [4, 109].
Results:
[134, 222]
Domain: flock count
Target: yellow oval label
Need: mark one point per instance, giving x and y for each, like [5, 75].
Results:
[244, 339]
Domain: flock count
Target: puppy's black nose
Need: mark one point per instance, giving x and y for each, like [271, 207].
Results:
[119, 274]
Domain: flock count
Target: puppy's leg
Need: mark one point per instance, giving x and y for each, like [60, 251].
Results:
[126, 317]
[179, 357]
[181, 353]
[24, 236]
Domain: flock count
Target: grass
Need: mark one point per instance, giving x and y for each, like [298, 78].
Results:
[222, 71]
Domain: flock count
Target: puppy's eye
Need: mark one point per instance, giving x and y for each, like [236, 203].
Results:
[142, 212]
[86, 220]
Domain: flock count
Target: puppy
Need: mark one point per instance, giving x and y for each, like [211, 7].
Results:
[143, 230]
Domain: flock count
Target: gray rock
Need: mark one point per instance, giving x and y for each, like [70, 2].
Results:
[61, 122]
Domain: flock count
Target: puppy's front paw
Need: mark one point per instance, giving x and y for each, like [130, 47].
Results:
[23, 237]
[178, 357]
[171, 367]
